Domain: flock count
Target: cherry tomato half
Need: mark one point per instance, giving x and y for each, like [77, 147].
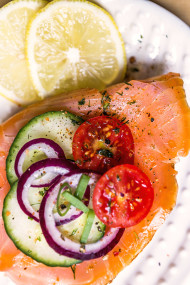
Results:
[123, 196]
[101, 143]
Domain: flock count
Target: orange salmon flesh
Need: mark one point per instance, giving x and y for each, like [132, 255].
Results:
[159, 118]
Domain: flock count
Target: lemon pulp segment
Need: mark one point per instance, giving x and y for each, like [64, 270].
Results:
[73, 45]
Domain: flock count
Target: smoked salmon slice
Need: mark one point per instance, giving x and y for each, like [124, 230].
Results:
[159, 118]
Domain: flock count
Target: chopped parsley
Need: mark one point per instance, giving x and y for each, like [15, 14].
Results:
[128, 83]
[109, 205]
[116, 130]
[131, 102]
[82, 101]
[41, 193]
[118, 177]
[106, 105]
[107, 141]
[89, 112]
[30, 218]
[105, 152]
[74, 122]
[121, 94]
[105, 101]
[135, 69]
[73, 232]
[136, 235]
[99, 229]
[78, 161]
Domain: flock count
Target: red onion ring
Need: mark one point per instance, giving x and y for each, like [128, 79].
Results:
[50, 148]
[68, 247]
[49, 165]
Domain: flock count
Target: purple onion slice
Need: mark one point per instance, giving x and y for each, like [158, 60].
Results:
[50, 148]
[66, 246]
[49, 165]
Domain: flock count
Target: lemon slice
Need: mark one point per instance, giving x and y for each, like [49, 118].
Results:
[15, 83]
[73, 45]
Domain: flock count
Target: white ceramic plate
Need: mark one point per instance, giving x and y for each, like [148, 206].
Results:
[160, 42]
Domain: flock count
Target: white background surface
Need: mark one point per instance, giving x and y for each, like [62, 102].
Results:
[160, 43]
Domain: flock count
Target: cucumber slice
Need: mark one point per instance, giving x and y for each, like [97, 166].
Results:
[57, 126]
[60, 127]
[29, 238]
[27, 234]
[35, 196]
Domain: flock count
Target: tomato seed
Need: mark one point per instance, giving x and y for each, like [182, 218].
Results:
[139, 200]
[137, 189]
[108, 134]
[106, 129]
[132, 207]
[111, 184]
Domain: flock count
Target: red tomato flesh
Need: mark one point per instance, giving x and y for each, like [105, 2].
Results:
[123, 196]
[101, 143]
